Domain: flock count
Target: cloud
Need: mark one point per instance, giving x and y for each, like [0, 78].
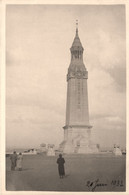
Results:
[33, 125]
[103, 98]
[108, 131]
[119, 75]
[107, 52]
[38, 57]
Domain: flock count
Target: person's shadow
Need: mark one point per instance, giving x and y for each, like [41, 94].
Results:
[67, 175]
[16, 170]
[27, 169]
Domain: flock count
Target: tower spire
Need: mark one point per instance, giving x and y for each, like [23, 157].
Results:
[76, 42]
[77, 49]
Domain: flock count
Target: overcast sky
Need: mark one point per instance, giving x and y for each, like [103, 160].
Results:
[38, 39]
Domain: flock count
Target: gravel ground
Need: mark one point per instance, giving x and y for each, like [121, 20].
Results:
[96, 172]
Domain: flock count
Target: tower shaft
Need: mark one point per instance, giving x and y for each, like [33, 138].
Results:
[77, 112]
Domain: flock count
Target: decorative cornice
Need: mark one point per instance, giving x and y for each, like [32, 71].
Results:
[77, 74]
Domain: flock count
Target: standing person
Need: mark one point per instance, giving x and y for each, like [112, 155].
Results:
[19, 161]
[60, 162]
[13, 159]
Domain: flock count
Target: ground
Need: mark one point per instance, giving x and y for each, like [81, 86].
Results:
[92, 172]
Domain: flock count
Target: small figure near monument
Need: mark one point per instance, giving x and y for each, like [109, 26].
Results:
[19, 161]
[51, 150]
[117, 150]
[60, 162]
[13, 159]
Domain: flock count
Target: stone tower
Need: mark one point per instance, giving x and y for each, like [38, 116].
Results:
[77, 128]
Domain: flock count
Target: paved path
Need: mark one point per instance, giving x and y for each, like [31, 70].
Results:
[102, 172]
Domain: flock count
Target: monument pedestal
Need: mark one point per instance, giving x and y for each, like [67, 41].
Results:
[84, 147]
[68, 147]
[89, 149]
[77, 140]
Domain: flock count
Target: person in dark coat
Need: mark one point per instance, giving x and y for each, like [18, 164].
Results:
[13, 159]
[60, 162]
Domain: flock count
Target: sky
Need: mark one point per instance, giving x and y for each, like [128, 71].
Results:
[38, 41]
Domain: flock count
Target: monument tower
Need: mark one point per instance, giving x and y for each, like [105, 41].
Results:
[77, 128]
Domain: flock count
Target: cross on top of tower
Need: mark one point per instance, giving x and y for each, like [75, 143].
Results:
[76, 27]
[76, 23]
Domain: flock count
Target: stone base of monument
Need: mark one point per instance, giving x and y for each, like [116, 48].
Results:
[68, 148]
[84, 147]
[87, 150]
[77, 140]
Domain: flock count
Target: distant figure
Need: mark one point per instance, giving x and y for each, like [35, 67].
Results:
[19, 161]
[60, 162]
[13, 159]
[117, 151]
